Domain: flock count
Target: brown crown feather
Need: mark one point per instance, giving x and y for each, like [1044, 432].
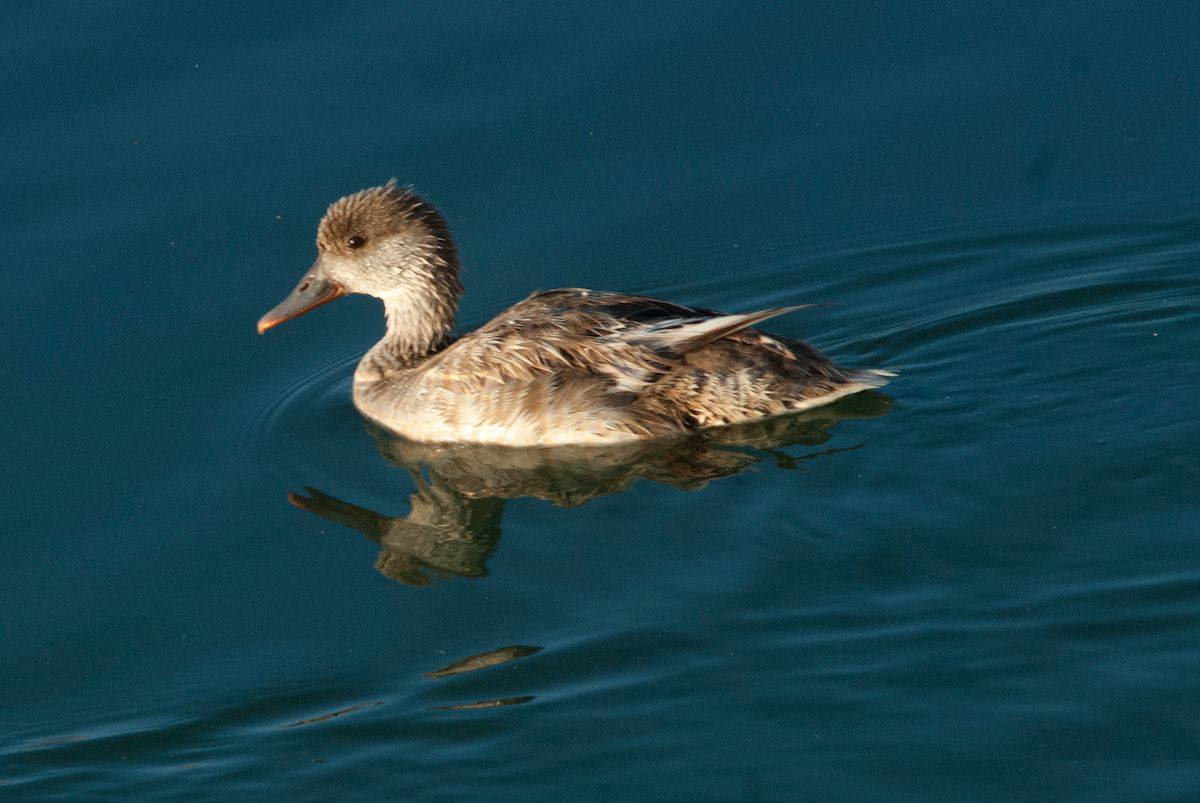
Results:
[385, 211]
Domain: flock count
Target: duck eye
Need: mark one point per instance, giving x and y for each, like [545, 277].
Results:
[356, 241]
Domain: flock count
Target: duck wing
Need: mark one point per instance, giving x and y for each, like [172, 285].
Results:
[687, 333]
[629, 340]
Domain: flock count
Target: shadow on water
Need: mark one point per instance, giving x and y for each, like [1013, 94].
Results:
[453, 523]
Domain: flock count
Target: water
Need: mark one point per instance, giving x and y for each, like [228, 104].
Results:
[985, 584]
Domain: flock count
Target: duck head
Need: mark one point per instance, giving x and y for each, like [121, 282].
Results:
[384, 242]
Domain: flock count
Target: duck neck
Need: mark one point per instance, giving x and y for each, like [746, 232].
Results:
[416, 330]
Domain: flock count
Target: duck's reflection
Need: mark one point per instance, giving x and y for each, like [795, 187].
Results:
[453, 524]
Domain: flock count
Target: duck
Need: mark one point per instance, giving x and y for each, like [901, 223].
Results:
[563, 367]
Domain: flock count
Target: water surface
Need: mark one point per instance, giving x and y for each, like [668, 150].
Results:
[984, 584]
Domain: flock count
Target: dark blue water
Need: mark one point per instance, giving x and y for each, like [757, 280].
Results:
[985, 584]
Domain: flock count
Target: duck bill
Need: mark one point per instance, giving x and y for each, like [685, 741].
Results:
[313, 291]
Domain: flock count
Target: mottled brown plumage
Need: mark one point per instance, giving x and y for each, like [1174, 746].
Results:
[568, 366]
